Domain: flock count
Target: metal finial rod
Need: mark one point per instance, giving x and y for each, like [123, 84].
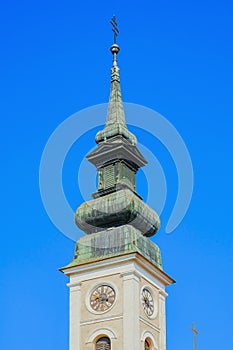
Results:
[114, 28]
[195, 332]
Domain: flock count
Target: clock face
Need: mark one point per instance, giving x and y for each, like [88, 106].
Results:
[147, 302]
[102, 298]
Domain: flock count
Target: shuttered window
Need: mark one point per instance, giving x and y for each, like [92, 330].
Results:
[103, 344]
[109, 176]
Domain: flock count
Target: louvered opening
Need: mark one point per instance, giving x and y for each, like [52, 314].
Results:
[109, 176]
[103, 344]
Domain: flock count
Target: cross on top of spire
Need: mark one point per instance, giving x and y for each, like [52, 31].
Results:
[115, 48]
[114, 28]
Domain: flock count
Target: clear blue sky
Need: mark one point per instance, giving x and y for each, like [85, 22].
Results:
[176, 57]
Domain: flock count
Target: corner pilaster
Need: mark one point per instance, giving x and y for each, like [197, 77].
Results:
[131, 329]
[162, 340]
[75, 303]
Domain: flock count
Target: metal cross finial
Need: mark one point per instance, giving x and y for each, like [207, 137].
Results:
[195, 332]
[114, 28]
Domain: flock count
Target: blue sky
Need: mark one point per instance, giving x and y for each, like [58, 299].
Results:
[176, 58]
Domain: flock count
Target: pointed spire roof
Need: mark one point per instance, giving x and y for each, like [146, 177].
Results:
[115, 141]
[115, 123]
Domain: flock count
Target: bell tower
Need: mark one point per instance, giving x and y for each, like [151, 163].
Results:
[117, 283]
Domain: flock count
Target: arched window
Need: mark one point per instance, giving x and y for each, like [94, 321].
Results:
[103, 343]
[147, 344]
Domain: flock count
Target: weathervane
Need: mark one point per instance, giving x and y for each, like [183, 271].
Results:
[195, 332]
[114, 28]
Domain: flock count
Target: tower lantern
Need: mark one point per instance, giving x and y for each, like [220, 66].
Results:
[117, 283]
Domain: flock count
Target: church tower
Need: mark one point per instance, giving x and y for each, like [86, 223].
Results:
[117, 283]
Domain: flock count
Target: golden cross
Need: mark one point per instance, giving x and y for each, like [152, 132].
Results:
[114, 28]
[195, 332]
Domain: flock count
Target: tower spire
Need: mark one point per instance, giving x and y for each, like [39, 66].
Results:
[117, 160]
[115, 122]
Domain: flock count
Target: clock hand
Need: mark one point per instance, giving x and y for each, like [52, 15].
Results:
[95, 296]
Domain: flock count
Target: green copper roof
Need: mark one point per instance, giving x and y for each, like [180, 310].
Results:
[117, 208]
[114, 242]
[116, 219]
